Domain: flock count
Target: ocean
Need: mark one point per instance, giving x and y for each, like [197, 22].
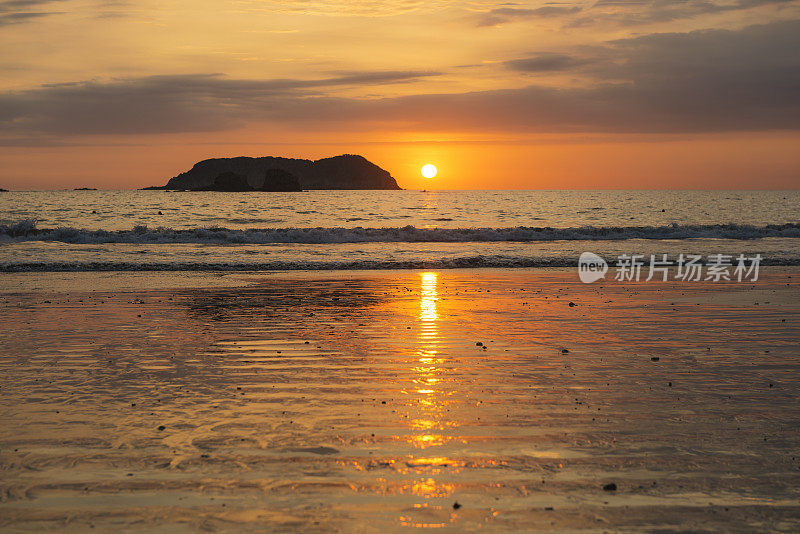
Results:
[341, 230]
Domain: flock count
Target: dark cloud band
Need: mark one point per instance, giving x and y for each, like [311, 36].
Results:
[703, 81]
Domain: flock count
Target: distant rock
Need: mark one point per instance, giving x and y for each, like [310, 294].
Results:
[280, 180]
[340, 172]
[85, 189]
[227, 181]
[3, 190]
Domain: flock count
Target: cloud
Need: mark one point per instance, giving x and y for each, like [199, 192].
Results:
[18, 11]
[15, 18]
[502, 15]
[547, 62]
[622, 12]
[166, 104]
[363, 8]
[640, 12]
[701, 81]
[14, 5]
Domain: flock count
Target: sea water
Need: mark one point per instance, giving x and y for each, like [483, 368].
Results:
[198, 231]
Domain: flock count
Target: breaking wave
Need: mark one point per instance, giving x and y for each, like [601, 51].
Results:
[26, 230]
[299, 265]
[470, 262]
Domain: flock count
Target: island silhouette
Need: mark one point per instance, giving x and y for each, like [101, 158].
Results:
[270, 173]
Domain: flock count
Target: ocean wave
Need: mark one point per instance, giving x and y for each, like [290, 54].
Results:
[27, 230]
[299, 265]
[469, 262]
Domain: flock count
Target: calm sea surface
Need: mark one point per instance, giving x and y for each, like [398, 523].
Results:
[158, 230]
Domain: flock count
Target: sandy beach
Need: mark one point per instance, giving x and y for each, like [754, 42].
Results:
[507, 400]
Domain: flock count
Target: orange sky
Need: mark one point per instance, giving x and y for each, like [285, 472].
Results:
[607, 94]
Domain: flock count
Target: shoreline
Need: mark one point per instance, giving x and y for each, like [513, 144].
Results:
[32, 281]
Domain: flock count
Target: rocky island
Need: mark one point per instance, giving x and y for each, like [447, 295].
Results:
[281, 174]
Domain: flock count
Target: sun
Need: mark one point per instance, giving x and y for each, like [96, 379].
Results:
[429, 171]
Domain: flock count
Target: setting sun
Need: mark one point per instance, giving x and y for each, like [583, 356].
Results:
[429, 171]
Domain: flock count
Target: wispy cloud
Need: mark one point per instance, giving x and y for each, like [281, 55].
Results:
[175, 103]
[702, 81]
[641, 12]
[620, 12]
[19, 11]
[546, 62]
[502, 15]
[364, 8]
[7, 6]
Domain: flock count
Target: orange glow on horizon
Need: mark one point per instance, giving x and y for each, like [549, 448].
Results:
[546, 163]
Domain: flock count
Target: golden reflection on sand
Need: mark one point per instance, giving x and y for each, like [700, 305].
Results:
[430, 488]
[428, 300]
[429, 398]
[426, 420]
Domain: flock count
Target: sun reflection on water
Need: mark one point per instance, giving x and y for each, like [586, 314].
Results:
[428, 430]
[428, 300]
[428, 404]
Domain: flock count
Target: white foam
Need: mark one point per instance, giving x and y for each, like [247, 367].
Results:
[26, 230]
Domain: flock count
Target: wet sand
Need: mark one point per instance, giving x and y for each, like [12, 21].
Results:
[376, 401]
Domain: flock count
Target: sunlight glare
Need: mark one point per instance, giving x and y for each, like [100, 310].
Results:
[429, 171]
[428, 298]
